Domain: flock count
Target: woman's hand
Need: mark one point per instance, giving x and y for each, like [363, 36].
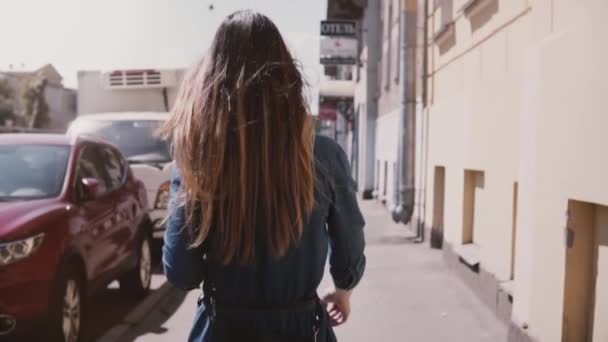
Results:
[338, 306]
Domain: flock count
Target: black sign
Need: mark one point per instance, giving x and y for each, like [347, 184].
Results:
[341, 28]
[338, 60]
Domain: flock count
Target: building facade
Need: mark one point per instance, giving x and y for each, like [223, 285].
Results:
[509, 134]
[61, 101]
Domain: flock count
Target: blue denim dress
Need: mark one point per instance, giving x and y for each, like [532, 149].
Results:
[335, 227]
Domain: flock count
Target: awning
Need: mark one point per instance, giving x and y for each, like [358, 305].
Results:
[337, 89]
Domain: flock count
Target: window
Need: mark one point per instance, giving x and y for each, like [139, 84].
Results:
[447, 12]
[480, 12]
[444, 33]
[32, 171]
[92, 165]
[115, 166]
[136, 139]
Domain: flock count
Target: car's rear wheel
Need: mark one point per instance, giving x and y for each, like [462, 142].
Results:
[137, 281]
[67, 311]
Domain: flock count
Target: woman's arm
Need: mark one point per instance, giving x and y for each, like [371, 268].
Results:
[184, 266]
[345, 227]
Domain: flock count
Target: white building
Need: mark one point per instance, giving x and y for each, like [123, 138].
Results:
[510, 134]
[146, 90]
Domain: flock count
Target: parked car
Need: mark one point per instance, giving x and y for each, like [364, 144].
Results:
[13, 129]
[150, 157]
[73, 218]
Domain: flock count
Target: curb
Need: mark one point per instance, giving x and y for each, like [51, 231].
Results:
[137, 314]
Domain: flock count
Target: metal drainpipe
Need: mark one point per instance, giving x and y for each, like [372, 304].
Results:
[404, 208]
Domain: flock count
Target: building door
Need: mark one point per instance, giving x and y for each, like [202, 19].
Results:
[581, 264]
[514, 228]
[438, 207]
[473, 182]
[600, 325]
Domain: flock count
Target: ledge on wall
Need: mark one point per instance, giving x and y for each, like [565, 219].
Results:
[507, 287]
[469, 253]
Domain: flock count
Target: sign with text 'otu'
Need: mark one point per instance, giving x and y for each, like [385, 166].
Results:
[339, 44]
[339, 28]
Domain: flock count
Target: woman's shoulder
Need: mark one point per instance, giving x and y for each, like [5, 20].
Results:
[330, 156]
[326, 148]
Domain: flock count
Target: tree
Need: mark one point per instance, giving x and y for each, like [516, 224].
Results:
[35, 109]
[7, 103]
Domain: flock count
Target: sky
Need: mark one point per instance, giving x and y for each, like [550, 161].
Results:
[112, 34]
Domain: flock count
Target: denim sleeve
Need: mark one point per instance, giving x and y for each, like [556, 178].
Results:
[345, 227]
[184, 266]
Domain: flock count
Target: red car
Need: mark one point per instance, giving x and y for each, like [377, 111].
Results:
[72, 219]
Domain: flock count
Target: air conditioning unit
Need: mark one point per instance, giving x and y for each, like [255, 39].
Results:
[139, 79]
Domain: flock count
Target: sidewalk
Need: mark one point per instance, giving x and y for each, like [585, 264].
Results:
[407, 294]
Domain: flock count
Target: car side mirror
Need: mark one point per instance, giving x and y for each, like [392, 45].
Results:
[91, 188]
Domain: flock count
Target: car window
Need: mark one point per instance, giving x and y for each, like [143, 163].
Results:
[92, 165]
[32, 171]
[136, 139]
[114, 165]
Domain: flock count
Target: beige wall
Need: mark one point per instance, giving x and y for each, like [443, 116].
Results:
[473, 125]
[520, 94]
[569, 104]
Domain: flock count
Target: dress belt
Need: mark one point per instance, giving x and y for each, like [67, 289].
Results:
[302, 304]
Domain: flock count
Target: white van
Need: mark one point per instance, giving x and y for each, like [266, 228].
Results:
[150, 158]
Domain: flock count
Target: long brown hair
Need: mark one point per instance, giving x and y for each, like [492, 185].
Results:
[243, 141]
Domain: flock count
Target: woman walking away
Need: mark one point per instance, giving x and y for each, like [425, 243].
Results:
[256, 200]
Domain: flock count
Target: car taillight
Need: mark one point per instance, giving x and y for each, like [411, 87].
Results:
[162, 196]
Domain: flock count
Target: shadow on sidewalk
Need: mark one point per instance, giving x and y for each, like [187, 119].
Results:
[109, 307]
[155, 322]
[394, 240]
